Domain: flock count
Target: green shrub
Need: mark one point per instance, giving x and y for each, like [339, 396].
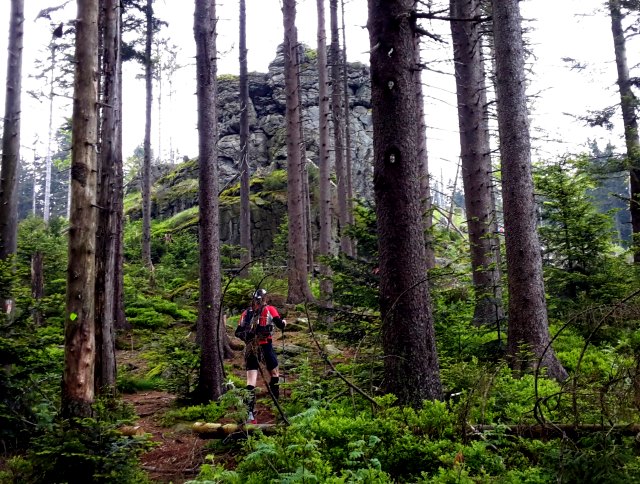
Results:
[86, 450]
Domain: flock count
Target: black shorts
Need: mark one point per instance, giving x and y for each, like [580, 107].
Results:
[261, 353]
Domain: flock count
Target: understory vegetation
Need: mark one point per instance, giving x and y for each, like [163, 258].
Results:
[492, 426]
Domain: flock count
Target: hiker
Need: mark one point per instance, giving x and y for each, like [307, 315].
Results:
[255, 328]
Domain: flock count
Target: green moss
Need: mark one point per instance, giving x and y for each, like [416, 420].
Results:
[310, 54]
[276, 181]
[184, 189]
[184, 219]
[132, 202]
[227, 77]
[187, 169]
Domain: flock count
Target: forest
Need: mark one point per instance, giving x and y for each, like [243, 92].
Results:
[305, 300]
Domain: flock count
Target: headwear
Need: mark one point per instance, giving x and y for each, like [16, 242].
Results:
[259, 295]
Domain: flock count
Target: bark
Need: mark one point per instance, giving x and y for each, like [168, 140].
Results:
[245, 208]
[47, 176]
[299, 290]
[324, 163]
[78, 379]
[628, 102]
[347, 128]
[211, 369]
[37, 285]
[304, 176]
[411, 368]
[146, 169]
[11, 137]
[425, 189]
[106, 241]
[338, 130]
[528, 331]
[120, 321]
[476, 161]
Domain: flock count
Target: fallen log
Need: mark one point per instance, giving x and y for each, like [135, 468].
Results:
[222, 431]
[131, 430]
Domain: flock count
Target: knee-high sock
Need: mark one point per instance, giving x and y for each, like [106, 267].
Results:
[274, 385]
[251, 400]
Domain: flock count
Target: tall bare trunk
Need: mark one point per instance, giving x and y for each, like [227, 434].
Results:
[47, 176]
[211, 369]
[347, 126]
[304, 175]
[425, 188]
[118, 209]
[146, 169]
[476, 160]
[106, 240]
[338, 129]
[629, 102]
[410, 358]
[528, 324]
[299, 290]
[324, 162]
[78, 379]
[245, 207]
[11, 135]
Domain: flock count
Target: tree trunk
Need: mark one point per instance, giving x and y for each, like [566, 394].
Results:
[106, 241]
[211, 369]
[324, 163]
[476, 161]
[146, 170]
[37, 285]
[347, 128]
[245, 207]
[78, 379]
[425, 189]
[304, 176]
[411, 367]
[120, 321]
[299, 290]
[47, 176]
[11, 140]
[628, 102]
[338, 130]
[528, 326]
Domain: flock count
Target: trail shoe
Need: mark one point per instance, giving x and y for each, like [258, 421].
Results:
[251, 419]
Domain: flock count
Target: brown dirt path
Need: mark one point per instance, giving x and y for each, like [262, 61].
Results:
[179, 453]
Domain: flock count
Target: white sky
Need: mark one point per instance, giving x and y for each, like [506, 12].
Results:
[578, 29]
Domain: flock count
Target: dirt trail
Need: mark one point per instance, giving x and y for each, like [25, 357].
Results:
[180, 453]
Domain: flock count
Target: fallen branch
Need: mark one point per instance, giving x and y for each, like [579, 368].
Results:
[557, 430]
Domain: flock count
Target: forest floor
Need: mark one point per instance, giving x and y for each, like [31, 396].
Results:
[179, 452]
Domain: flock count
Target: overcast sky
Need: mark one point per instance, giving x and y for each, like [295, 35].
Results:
[578, 29]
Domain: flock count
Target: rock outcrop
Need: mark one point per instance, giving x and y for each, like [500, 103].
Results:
[267, 120]
[176, 188]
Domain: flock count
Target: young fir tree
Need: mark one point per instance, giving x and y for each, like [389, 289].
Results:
[576, 238]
